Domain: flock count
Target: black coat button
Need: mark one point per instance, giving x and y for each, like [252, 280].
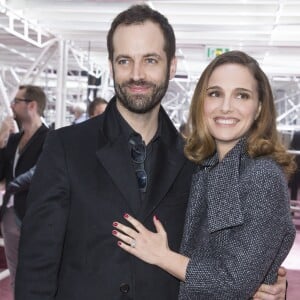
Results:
[124, 288]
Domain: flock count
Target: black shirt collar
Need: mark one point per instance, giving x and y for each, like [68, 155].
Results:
[128, 131]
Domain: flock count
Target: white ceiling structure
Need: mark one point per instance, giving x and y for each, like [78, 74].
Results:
[269, 30]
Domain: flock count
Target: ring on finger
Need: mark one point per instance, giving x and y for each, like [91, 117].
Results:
[133, 243]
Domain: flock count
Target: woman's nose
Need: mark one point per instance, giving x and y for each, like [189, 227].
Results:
[226, 105]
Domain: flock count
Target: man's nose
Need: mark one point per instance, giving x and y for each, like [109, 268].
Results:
[138, 71]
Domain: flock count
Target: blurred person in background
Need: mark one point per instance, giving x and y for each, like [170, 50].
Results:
[295, 180]
[19, 153]
[97, 107]
[79, 111]
[184, 130]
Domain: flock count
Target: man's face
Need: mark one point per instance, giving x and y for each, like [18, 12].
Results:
[20, 108]
[140, 70]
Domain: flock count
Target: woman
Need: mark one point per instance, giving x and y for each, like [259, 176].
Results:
[238, 228]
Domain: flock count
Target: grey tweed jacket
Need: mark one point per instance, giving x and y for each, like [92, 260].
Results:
[238, 227]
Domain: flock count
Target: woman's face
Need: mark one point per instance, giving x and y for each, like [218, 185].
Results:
[231, 105]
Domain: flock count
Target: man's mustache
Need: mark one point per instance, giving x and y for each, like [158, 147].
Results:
[139, 82]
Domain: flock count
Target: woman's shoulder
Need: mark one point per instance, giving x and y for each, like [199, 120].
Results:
[262, 166]
[264, 187]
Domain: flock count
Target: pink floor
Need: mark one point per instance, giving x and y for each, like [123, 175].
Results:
[292, 263]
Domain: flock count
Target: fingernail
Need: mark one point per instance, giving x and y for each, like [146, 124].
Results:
[114, 232]
[126, 216]
[115, 224]
[155, 217]
[119, 243]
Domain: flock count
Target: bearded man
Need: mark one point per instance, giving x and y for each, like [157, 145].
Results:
[19, 153]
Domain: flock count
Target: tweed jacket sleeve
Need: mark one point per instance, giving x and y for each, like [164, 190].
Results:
[238, 228]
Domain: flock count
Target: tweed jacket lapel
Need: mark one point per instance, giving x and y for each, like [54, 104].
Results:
[223, 199]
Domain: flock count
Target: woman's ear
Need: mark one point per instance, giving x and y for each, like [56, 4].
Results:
[258, 111]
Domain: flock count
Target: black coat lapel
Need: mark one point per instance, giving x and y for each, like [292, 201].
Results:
[115, 159]
[168, 164]
[113, 154]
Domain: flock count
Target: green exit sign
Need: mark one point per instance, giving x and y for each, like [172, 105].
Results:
[212, 52]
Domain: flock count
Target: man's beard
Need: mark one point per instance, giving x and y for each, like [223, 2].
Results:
[20, 120]
[141, 103]
[17, 118]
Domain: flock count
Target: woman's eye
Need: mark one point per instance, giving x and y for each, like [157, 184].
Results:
[214, 94]
[243, 96]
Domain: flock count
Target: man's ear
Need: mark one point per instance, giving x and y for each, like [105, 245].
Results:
[110, 68]
[32, 105]
[173, 67]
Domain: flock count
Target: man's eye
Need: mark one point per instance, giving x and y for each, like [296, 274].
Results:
[123, 61]
[151, 60]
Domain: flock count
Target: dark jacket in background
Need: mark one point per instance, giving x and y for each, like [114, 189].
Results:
[295, 179]
[27, 160]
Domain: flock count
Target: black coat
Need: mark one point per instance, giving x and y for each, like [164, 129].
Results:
[83, 182]
[28, 158]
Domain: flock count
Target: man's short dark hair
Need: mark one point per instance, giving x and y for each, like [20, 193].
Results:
[35, 93]
[94, 103]
[138, 14]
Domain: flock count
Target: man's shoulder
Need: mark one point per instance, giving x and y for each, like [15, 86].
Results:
[74, 136]
[90, 125]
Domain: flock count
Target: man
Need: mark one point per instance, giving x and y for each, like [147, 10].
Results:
[18, 154]
[97, 107]
[129, 159]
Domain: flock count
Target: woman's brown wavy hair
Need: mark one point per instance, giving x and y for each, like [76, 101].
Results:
[263, 138]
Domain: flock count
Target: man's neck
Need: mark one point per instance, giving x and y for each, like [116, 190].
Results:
[144, 124]
[32, 126]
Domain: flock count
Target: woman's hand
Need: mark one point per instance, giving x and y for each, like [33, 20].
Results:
[149, 246]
